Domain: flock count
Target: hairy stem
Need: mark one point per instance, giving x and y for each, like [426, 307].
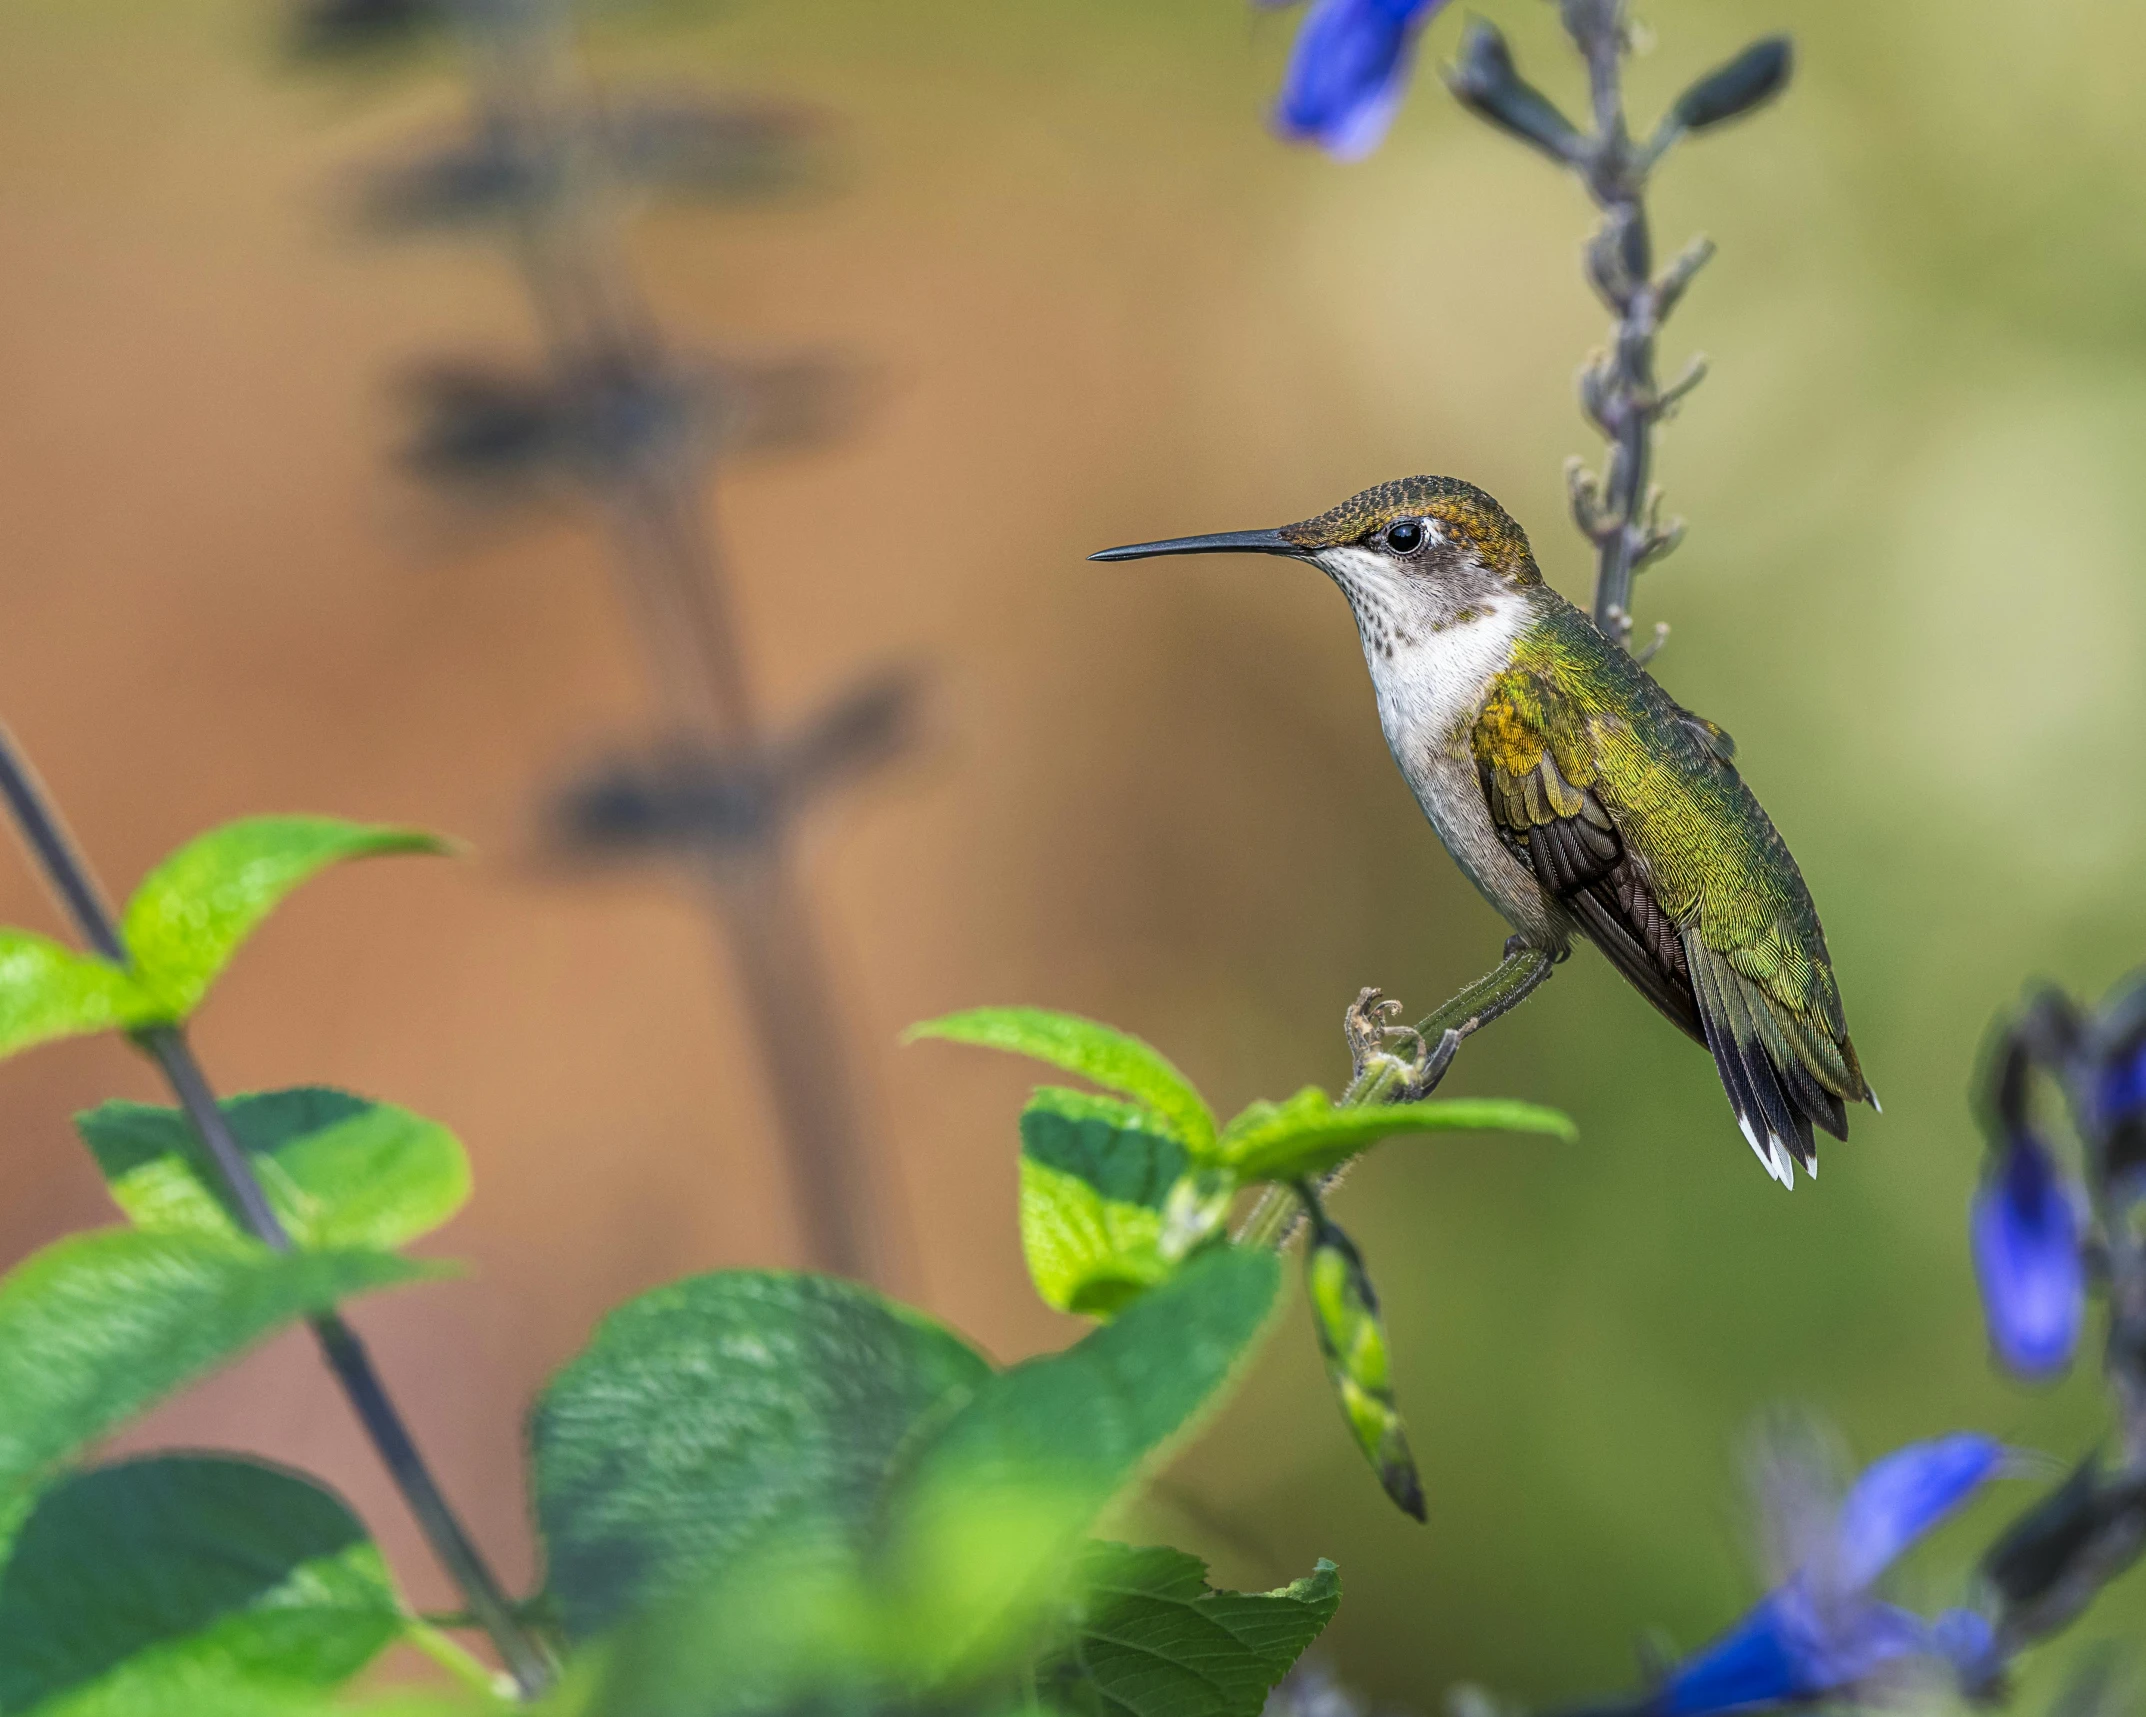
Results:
[70, 878]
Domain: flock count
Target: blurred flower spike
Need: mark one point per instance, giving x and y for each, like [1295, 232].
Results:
[1349, 72]
[1821, 1633]
[2027, 1228]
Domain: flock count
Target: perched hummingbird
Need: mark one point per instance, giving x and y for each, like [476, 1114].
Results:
[1577, 795]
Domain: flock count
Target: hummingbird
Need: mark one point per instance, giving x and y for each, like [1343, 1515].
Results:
[1579, 797]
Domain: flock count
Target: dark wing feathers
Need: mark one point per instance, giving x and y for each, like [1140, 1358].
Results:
[1784, 1071]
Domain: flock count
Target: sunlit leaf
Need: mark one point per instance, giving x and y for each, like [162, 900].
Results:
[1153, 1639]
[99, 1326]
[1002, 1495]
[1094, 1178]
[1112, 1059]
[47, 992]
[192, 913]
[1307, 1135]
[340, 1171]
[708, 1411]
[236, 1567]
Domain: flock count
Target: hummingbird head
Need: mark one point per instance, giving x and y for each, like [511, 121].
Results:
[1414, 556]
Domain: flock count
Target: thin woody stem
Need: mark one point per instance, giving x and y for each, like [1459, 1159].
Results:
[71, 879]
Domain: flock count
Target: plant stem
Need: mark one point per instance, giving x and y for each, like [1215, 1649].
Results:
[70, 878]
[1618, 513]
[596, 324]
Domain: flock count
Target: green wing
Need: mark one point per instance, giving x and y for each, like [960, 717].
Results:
[1627, 808]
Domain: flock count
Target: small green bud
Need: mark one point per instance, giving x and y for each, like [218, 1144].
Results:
[1485, 81]
[1755, 76]
[1352, 1338]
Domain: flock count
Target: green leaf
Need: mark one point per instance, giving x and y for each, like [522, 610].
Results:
[101, 1325]
[999, 1498]
[1153, 1639]
[242, 1569]
[707, 1413]
[47, 992]
[1308, 1135]
[1095, 1176]
[172, 1685]
[193, 911]
[340, 1171]
[1112, 1059]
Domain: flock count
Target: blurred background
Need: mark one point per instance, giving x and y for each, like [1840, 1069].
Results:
[1100, 303]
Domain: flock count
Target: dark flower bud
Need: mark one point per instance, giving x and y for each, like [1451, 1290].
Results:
[1485, 81]
[1352, 1338]
[1755, 76]
[2027, 1227]
[2053, 1560]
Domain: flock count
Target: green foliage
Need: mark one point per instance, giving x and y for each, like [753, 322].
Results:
[1095, 1178]
[339, 1170]
[49, 992]
[1112, 1059]
[193, 912]
[1153, 1639]
[1309, 1135]
[99, 1326]
[190, 915]
[1050, 1443]
[715, 1410]
[226, 1568]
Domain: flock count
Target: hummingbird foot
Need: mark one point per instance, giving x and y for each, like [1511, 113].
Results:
[1384, 1055]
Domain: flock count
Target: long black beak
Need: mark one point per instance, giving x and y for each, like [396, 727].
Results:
[1222, 542]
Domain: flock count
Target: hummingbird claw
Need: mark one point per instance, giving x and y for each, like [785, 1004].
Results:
[1372, 1035]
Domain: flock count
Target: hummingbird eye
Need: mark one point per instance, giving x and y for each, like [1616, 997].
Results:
[1406, 536]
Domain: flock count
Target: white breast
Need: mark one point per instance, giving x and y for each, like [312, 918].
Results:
[1429, 689]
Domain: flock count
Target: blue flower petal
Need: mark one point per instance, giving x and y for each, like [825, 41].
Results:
[1760, 1661]
[2123, 1085]
[1349, 72]
[1899, 1498]
[2025, 1230]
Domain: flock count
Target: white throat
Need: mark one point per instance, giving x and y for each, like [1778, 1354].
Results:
[1431, 682]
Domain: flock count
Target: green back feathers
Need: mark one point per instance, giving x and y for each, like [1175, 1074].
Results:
[1715, 862]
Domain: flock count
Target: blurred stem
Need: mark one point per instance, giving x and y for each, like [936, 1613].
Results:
[530, 89]
[71, 879]
[1619, 511]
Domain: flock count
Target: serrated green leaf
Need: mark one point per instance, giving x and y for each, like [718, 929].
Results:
[1308, 1135]
[241, 1569]
[193, 912]
[99, 1326]
[48, 992]
[1111, 1058]
[1095, 1175]
[1153, 1639]
[998, 1499]
[340, 1170]
[708, 1412]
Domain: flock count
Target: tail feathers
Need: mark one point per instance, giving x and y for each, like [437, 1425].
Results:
[1785, 1074]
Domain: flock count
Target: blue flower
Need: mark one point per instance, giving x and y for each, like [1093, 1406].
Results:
[1821, 1632]
[1349, 72]
[2025, 1229]
[2123, 1085]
